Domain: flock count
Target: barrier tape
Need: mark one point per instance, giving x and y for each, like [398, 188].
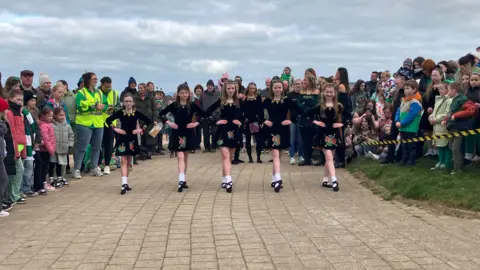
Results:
[427, 138]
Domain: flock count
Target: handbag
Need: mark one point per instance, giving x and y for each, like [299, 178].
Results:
[254, 128]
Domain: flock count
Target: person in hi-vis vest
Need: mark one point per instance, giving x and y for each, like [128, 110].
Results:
[90, 120]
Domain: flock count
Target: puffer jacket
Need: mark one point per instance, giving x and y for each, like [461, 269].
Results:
[441, 110]
[48, 135]
[64, 137]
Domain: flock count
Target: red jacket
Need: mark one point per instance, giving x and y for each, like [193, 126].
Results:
[17, 128]
[469, 110]
[48, 135]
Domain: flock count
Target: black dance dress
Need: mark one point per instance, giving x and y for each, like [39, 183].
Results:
[278, 136]
[252, 109]
[127, 145]
[327, 137]
[183, 138]
[228, 135]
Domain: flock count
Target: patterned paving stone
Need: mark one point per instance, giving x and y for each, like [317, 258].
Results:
[89, 225]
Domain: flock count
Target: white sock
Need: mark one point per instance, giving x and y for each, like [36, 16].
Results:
[325, 179]
[334, 178]
[228, 178]
[124, 180]
[469, 156]
[278, 177]
[223, 179]
[274, 179]
[181, 177]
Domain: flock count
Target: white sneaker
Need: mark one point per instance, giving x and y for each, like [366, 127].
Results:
[106, 170]
[4, 214]
[292, 161]
[372, 155]
[96, 172]
[77, 174]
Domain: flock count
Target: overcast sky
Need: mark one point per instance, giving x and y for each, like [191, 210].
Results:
[169, 42]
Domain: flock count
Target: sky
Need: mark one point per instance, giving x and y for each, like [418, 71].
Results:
[169, 42]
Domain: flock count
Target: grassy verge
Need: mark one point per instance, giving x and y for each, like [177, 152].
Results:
[420, 183]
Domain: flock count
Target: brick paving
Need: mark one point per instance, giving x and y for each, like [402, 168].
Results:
[89, 225]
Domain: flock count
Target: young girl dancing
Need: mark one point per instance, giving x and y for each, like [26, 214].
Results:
[276, 127]
[329, 135]
[182, 139]
[126, 144]
[228, 130]
[253, 114]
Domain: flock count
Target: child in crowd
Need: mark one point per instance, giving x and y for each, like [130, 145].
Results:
[367, 133]
[64, 139]
[349, 148]
[127, 144]
[14, 118]
[6, 145]
[407, 120]
[58, 91]
[47, 149]
[386, 120]
[32, 184]
[472, 142]
[442, 107]
[380, 106]
[460, 118]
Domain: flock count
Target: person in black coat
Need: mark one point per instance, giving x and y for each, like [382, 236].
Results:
[7, 164]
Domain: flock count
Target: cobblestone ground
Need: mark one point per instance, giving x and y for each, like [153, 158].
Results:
[89, 225]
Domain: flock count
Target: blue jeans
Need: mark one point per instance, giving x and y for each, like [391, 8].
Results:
[27, 183]
[86, 135]
[296, 144]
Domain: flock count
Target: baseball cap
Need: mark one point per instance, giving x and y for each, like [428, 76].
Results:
[27, 73]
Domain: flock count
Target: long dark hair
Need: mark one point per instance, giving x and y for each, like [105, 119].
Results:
[449, 67]
[343, 74]
[87, 79]
[356, 87]
[182, 87]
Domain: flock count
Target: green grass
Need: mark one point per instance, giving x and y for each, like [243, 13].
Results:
[420, 183]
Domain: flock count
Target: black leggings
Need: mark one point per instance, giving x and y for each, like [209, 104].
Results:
[107, 146]
[41, 169]
[58, 169]
[307, 138]
[248, 144]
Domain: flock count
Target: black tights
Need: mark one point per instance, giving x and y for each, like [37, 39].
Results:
[248, 144]
[58, 169]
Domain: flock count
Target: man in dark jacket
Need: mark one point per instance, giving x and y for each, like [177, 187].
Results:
[372, 84]
[209, 126]
[146, 104]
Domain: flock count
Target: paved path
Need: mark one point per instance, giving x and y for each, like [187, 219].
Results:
[89, 225]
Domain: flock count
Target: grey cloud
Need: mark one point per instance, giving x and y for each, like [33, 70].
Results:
[173, 41]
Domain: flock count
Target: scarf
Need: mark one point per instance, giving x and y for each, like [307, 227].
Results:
[416, 96]
[14, 107]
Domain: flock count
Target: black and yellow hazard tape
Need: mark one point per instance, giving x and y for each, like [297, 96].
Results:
[427, 138]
